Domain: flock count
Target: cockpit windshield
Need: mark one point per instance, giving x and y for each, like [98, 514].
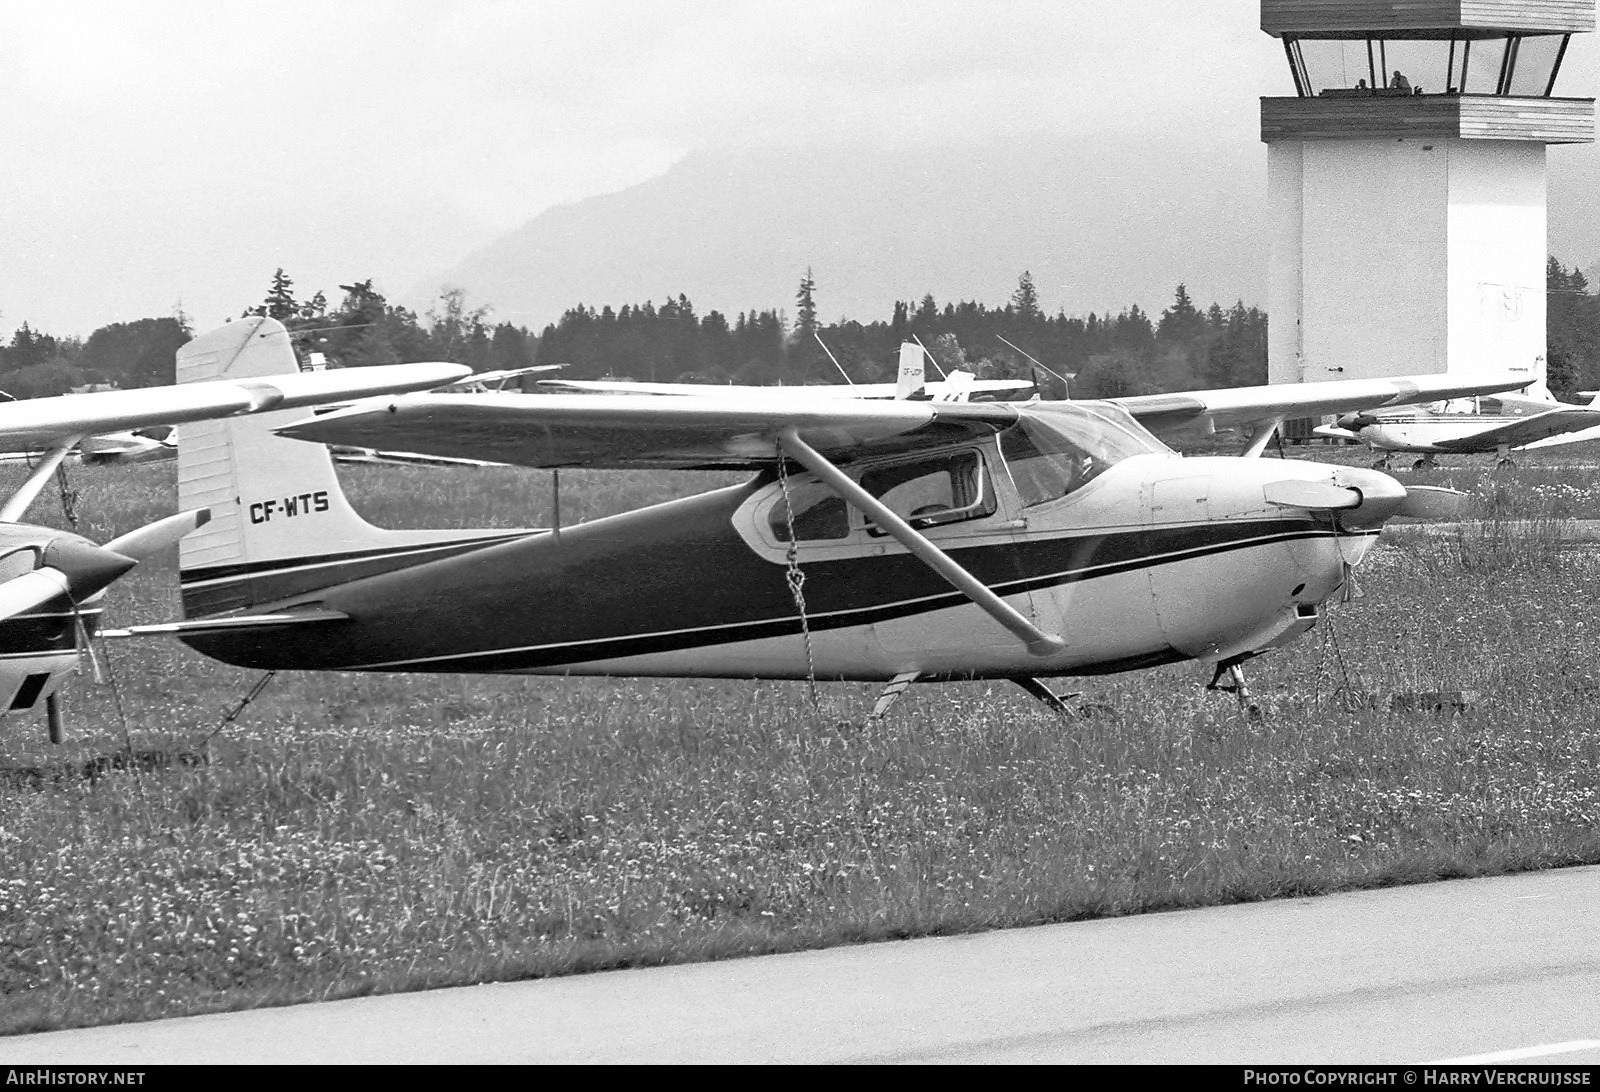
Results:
[1059, 447]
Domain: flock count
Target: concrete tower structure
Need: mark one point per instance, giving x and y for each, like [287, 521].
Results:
[1406, 183]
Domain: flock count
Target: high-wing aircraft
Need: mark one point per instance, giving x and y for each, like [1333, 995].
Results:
[134, 445]
[958, 386]
[884, 541]
[51, 580]
[476, 383]
[1473, 426]
[489, 382]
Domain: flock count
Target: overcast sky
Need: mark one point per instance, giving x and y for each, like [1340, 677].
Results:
[159, 154]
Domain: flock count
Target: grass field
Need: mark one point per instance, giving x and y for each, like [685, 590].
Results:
[352, 834]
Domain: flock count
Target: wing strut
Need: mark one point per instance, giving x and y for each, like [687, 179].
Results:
[1264, 433]
[14, 508]
[1039, 642]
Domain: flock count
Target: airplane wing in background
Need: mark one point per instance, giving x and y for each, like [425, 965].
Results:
[39, 424]
[1185, 411]
[823, 392]
[479, 381]
[1550, 429]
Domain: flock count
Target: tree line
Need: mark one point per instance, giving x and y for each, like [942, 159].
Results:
[1104, 356]
[1109, 355]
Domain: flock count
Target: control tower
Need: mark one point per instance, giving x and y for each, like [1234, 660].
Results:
[1406, 183]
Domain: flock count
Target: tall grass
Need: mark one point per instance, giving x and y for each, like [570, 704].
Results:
[362, 833]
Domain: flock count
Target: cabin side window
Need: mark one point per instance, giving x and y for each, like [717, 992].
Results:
[1044, 464]
[924, 492]
[928, 492]
[819, 513]
[18, 563]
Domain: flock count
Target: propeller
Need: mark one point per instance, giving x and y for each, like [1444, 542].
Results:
[79, 569]
[1355, 422]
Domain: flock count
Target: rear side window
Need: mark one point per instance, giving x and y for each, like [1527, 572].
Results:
[819, 513]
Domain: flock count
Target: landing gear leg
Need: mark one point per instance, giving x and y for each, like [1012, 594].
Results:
[1506, 462]
[1425, 463]
[1235, 686]
[1385, 463]
[1058, 702]
[891, 694]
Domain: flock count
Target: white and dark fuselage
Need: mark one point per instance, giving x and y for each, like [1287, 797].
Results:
[1156, 559]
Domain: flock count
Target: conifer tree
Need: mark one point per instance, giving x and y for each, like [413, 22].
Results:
[1025, 300]
[806, 308]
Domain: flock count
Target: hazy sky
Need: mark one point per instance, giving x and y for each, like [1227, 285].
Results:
[165, 153]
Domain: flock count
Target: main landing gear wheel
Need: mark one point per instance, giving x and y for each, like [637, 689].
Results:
[1384, 463]
[1506, 464]
[1425, 463]
[1236, 687]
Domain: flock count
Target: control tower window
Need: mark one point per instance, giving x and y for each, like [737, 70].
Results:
[1334, 65]
[1485, 66]
[1481, 64]
[1534, 64]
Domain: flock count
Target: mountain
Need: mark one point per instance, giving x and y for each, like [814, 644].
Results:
[1099, 224]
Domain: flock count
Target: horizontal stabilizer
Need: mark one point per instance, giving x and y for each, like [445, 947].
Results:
[230, 624]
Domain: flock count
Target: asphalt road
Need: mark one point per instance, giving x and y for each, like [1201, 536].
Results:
[1506, 968]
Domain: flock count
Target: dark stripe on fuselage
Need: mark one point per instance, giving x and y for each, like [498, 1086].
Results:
[678, 576]
[218, 589]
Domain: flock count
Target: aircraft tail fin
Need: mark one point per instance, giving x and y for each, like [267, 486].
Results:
[910, 381]
[281, 527]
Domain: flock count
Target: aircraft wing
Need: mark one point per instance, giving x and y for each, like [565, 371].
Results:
[1229, 407]
[717, 390]
[1549, 429]
[477, 379]
[618, 431]
[37, 424]
[937, 389]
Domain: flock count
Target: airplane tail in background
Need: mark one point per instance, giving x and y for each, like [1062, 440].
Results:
[910, 381]
[281, 527]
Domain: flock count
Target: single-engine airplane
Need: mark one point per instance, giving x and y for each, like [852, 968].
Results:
[910, 383]
[1476, 426]
[134, 445]
[51, 580]
[936, 540]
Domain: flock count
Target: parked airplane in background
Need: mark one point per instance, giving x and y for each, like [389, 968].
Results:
[51, 580]
[937, 540]
[1476, 426]
[138, 445]
[477, 383]
[497, 381]
[958, 386]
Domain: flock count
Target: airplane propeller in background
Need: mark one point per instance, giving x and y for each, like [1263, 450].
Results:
[78, 569]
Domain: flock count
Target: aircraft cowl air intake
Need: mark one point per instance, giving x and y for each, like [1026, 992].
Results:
[1366, 498]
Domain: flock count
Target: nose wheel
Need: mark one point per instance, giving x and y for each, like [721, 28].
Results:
[1235, 685]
